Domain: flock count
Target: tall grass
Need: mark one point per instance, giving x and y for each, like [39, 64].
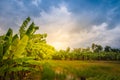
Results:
[76, 70]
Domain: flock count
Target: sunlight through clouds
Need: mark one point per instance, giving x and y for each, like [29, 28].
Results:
[70, 23]
[57, 23]
[64, 30]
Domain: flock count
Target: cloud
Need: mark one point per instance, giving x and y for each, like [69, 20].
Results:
[20, 3]
[64, 30]
[1, 31]
[63, 26]
[58, 23]
[36, 2]
[112, 16]
[100, 34]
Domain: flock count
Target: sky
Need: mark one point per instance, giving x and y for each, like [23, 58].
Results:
[68, 23]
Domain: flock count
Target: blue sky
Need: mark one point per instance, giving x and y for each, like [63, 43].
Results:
[73, 23]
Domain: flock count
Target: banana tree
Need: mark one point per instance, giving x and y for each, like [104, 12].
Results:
[13, 57]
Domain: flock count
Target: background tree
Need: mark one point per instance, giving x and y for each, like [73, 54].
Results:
[107, 49]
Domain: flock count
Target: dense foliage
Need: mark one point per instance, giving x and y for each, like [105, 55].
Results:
[19, 52]
[95, 52]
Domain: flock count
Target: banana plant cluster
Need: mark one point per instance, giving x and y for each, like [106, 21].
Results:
[13, 56]
[38, 47]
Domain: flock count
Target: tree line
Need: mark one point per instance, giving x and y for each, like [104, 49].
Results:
[95, 52]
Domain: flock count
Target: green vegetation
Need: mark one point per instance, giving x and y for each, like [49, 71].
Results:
[78, 70]
[19, 53]
[95, 52]
[91, 70]
[27, 56]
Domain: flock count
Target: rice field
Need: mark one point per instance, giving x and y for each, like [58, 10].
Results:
[79, 70]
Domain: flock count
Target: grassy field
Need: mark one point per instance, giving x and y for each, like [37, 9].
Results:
[79, 70]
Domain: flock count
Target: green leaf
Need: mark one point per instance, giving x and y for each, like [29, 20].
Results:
[20, 47]
[23, 27]
[8, 41]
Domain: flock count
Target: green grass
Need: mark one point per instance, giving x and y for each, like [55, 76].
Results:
[74, 70]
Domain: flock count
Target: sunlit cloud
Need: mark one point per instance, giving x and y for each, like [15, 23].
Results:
[58, 23]
[65, 31]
